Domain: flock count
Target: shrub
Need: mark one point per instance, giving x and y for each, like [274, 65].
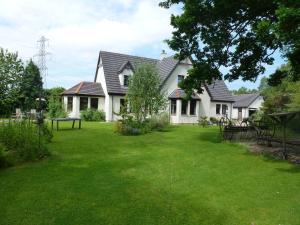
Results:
[22, 142]
[213, 120]
[159, 122]
[203, 121]
[128, 126]
[55, 109]
[92, 115]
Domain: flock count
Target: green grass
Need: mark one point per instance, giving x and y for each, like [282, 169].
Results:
[184, 176]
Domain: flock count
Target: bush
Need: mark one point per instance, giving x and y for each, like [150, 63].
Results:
[55, 109]
[203, 121]
[21, 140]
[129, 126]
[159, 122]
[213, 120]
[92, 115]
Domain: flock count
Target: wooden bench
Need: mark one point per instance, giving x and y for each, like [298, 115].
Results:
[63, 120]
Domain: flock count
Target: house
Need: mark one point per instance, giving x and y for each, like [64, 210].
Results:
[245, 105]
[107, 91]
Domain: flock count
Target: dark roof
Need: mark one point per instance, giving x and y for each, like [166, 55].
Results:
[218, 91]
[112, 62]
[180, 94]
[166, 66]
[85, 88]
[244, 100]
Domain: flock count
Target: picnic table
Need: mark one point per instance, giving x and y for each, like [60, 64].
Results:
[65, 119]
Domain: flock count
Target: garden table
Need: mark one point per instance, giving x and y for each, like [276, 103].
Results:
[65, 119]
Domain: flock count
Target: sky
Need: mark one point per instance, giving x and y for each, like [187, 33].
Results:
[78, 29]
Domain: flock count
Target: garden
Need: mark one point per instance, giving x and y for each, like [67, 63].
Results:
[185, 175]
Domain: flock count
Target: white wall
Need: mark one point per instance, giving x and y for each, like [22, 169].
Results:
[179, 118]
[235, 113]
[76, 104]
[205, 104]
[171, 83]
[257, 104]
[213, 106]
[124, 72]
[107, 103]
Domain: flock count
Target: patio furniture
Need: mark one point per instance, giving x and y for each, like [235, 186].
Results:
[64, 120]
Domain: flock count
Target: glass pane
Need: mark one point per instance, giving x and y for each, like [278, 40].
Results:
[94, 103]
[70, 104]
[83, 103]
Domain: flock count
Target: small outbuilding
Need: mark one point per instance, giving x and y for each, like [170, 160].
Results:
[245, 105]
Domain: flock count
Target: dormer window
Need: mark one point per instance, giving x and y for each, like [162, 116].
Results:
[126, 80]
[180, 79]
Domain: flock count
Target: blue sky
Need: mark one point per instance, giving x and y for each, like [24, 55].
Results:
[77, 30]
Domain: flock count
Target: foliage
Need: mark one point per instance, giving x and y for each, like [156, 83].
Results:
[283, 97]
[144, 93]
[257, 116]
[21, 140]
[264, 84]
[213, 120]
[11, 71]
[203, 121]
[55, 108]
[160, 121]
[92, 115]
[54, 92]
[31, 86]
[240, 35]
[244, 90]
[130, 126]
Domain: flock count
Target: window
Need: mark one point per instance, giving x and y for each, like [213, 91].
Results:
[184, 107]
[173, 106]
[193, 104]
[218, 108]
[122, 103]
[126, 80]
[70, 104]
[224, 109]
[83, 103]
[94, 103]
[180, 79]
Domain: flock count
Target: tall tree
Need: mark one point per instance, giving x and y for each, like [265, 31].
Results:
[11, 70]
[244, 90]
[144, 94]
[31, 86]
[237, 34]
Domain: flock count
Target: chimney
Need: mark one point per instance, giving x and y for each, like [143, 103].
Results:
[163, 55]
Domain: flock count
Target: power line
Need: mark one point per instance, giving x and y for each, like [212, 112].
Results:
[42, 57]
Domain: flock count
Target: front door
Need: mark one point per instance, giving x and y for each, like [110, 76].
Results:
[240, 113]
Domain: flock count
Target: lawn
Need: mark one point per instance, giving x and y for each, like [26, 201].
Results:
[184, 176]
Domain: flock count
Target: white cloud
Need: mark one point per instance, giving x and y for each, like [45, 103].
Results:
[78, 29]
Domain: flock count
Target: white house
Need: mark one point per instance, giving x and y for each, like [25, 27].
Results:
[245, 105]
[110, 85]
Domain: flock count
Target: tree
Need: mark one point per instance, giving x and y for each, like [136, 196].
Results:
[31, 86]
[283, 97]
[244, 90]
[237, 34]
[54, 103]
[11, 70]
[144, 94]
[263, 84]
